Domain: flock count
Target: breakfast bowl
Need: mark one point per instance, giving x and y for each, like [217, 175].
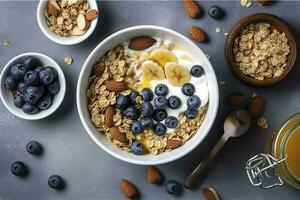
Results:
[50, 24]
[138, 36]
[8, 96]
[247, 72]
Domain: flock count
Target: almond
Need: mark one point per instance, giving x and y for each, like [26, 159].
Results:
[82, 23]
[98, 69]
[91, 14]
[235, 99]
[192, 8]
[115, 86]
[117, 134]
[53, 8]
[77, 32]
[263, 2]
[128, 189]
[256, 107]
[173, 143]
[154, 176]
[141, 43]
[197, 34]
[210, 194]
[108, 116]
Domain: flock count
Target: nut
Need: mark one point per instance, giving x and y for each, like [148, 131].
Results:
[235, 99]
[197, 34]
[154, 176]
[91, 14]
[263, 2]
[108, 116]
[53, 8]
[115, 86]
[98, 69]
[117, 134]
[173, 143]
[256, 106]
[210, 194]
[192, 8]
[82, 23]
[141, 43]
[128, 189]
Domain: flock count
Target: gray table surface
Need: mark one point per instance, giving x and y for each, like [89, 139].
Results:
[89, 172]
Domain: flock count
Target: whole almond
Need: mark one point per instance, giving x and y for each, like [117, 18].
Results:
[98, 69]
[210, 194]
[154, 176]
[53, 8]
[141, 43]
[115, 86]
[91, 14]
[197, 34]
[235, 99]
[173, 143]
[192, 8]
[256, 106]
[117, 134]
[128, 189]
[108, 116]
[263, 2]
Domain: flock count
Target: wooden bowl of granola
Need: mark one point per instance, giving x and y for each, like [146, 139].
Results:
[261, 49]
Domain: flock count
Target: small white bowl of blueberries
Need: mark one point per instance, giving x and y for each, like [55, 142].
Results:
[32, 86]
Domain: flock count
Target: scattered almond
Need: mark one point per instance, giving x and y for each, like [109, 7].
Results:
[197, 34]
[256, 106]
[128, 189]
[210, 194]
[263, 2]
[141, 43]
[173, 143]
[235, 99]
[115, 86]
[192, 8]
[108, 116]
[117, 134]
[68, 60]
[154, 176]
[82, 23]
[91, 14]
[98, 69]
[53, 8]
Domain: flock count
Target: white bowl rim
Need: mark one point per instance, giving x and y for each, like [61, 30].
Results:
[50, 110]
[61, 40]
[116, 155]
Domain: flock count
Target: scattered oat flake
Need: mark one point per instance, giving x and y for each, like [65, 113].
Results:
[218, 29]
[226, 34]
[246, 3]
[262, 122]
[222, 82]
[68, 60]
[6, 43]
[254, 94]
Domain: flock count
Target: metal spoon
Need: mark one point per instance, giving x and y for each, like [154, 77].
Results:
[235, 125]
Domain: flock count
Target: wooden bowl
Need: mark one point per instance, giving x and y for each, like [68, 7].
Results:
[276, 23]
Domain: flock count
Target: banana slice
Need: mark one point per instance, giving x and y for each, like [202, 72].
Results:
[162, 57]
[177, 74]
[152, 71]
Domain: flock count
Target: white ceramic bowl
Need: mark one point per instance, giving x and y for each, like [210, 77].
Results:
[7, 97]
[125, 35]
[64, 40]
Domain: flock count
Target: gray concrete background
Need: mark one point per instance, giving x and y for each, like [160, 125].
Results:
[89, 172]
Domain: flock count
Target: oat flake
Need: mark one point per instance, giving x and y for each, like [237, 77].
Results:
[68, 60]
[6, 43]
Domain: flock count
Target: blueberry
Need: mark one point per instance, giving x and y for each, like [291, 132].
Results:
[146, 123]
[159, 115]
[215, 12]
[10, 83]
[146, 109]
[136, 127]
[44, 103]
[147, 94]
[133, 95]
[193, 102]
[171, 122]
[38, 69]
[46, 76]
[54, 87]
[160, 129]
[33, 147]
[31, 62]
[173, 187]
[53, 70]
[161, 90]
[30, 109]
[18, 71]
[174, 102]
[33, 94]
[191, 113]
[56, 182]
[137, 148]
[188, 89]
[19, 100]
[31, 78]
[160, 102]
[18, 168]
[132, 112]
[122, 102]
[197, 71]
[22, 88]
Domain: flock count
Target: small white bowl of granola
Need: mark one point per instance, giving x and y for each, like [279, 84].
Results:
[147, 95]
[67, 22]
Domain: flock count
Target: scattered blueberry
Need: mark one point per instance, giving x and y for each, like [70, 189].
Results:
[46, 76]
[171, 122]
[137, 148]
[159, 115]
[44, 103]
[147, 94]
[122, 102]
[31, 62]
[53, 70]
[133, 95]
[146, 122]
[54, 87]
[146, 109]
[197, 71]
[132, 112]
[193, 102]
[174, 102]
[56, 182]
[18, 168]
[215, 12]
[160, 102]
[161, 90]
[191, 113]
[136, 127]
[160, 129]
[33, 94]
[188, 89]
[173, 187]
[19, 100]
[22, 88]
[33, 147]
[38, 69]
[18, 71]
[30, 109]
[31, 78]
[10, 83]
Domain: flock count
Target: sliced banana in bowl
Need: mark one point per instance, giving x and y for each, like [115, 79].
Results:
[152, 71]
[177, 74]
[162, 57]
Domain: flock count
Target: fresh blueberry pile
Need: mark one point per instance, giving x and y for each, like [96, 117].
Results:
[33, 85]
